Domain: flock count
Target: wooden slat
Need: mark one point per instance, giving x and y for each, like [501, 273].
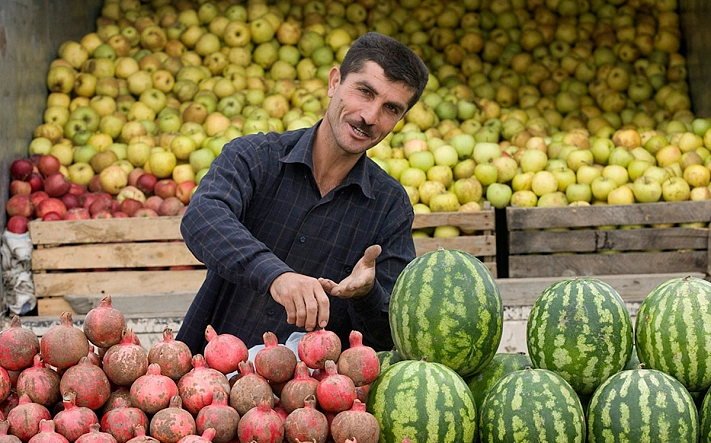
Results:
[150, 303]
[131, 229]
[475, 244]
[595, 240]
[113, 255]
[55, 284]
[601, 264]
[478, 220]
[601, 215]
[53, 306]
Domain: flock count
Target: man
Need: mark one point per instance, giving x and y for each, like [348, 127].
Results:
[301, 230]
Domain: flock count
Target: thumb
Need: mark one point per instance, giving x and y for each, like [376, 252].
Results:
[371, 254]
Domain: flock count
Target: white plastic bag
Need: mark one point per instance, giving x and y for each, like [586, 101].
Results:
[19, 291]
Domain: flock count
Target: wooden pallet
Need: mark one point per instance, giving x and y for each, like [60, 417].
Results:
[594, 240]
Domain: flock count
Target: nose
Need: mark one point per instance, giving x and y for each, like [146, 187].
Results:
[370, 114]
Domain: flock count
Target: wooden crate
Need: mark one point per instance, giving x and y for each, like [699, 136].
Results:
[570, 241]
[481, 243]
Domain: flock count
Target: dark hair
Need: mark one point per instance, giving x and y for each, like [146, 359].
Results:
[399, 62]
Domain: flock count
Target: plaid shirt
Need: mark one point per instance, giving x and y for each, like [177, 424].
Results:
[258, 213]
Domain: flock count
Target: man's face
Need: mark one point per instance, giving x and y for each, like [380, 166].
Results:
[365, 107]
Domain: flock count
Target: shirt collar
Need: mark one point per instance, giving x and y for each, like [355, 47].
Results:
[301, 153]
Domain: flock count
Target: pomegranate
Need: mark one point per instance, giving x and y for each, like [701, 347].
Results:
[18, 346]
[96, 436]
[274, 362]
[47, 434]
[250, 390]
[171, 424]
[261, 424]
[306, 424]
[5, 384]
[205, 437]
[89, 382]
[316, 347]
[220, 416]
[359, 362]
[40, 383]
[141, 437]
[152, 392]
[279, 409]
[122, 420]
[4, 437]
[14, 375]
[113, 402]
[124, 362]
[10, 403]
[104, 324]
[298, 388]
[25, 418]
[93, 356]
[224, 352]
[74, 421]
[355, 423]
[362, 392]
[197, 387]
[336, 392]
[173, 356]
[63, 345]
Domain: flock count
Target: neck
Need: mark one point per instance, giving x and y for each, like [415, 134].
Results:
[331, 165]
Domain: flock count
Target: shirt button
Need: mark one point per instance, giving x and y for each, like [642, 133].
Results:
[270, 312]
[302, 239]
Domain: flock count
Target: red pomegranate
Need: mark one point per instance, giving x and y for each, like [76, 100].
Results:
[5, 384]
[4, 436]
[74, 421]
[152, 392]
[89, 382]
[104, 324]
[316, 347]
[96, 436]
[224, 352]
[205, 437]
[171, 424]
[261, 424]
[63, 345]
[25, 418]
[220, 416]
[173, 356]
[274, 362]
[141, 437]
[124, 362]
[355, 423]
[113, 402]
[40, 383]
[47, 434]
[298, 388]
[93, 356]
[336, 392]
[250, 390]
[362, 392]
[121, 421]
[197, 387]
[18, 346]
[359, 362]
[9, 403]
[279, 409]
[307, 423]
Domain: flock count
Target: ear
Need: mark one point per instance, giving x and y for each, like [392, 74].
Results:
[334, 79]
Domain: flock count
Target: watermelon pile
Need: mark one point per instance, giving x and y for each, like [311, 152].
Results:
[588, 376]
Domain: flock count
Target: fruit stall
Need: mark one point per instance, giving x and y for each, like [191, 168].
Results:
[558, 165]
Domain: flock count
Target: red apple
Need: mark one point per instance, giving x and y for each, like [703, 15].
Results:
[70, 201]
[184, 191]
[115, 206]
[34, 158]
[48, 164]
[153, 202]
[36, 182]
[56, 184]
[103, 214]
[37, 197]
[145, 212]
[51, 216]
[95, 184]
[77, 214]
[120, 214]
[146, 183]
[77, 189]
[130, 206]
[165, 188]
[170, 206]
[17, 224]
[98, 205]
[20, 187]
[87, 199]
[21, 169]
[48, 205]
[20, 204]
[134, 174]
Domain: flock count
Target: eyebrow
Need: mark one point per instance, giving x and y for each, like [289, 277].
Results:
[399, 107]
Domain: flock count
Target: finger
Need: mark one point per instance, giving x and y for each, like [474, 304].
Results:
[371, 254]
[301, 311]
[324, 310]
[290, 311]
[327, 284]
[310, 313]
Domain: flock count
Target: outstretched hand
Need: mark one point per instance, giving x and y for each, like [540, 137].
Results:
[361, 280]
[303, 298]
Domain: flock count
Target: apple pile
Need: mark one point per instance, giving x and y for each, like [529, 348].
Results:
[162, 85]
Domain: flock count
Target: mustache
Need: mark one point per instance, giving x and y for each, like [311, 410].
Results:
[362, 126]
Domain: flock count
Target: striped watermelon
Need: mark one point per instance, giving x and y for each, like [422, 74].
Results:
[642, 405]
[672, 331]
[580, 329]
[531, 405]
[446, 308]
[427, 402]
[705, 419]
[388, 358]
[501, 365]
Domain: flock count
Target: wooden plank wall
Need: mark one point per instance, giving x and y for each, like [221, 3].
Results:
[695, 17]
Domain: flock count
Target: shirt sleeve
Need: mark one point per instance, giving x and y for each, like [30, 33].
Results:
[212, 227]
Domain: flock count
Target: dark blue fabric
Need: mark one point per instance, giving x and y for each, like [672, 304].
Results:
[258, 213]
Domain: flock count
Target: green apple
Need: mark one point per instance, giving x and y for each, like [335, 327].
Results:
[83, 154]
[80, 173]
[412, 176]
[138, 153]
[446, 155]
[578, 192]
[499, 195]
[396, 166]
[120, 149]
[676, 189]
[485, 152]
[162, 163]
[646, 190]
[201, 159]
[601, 187]
[524, 199]
[467, 190]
